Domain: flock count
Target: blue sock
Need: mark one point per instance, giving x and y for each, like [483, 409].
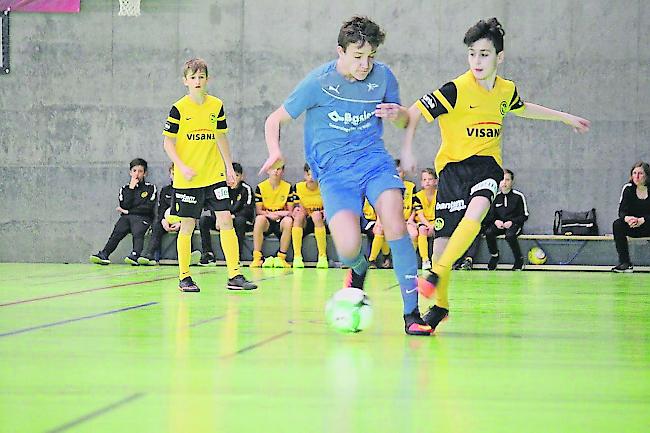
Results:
[359, 264]
[405, 264]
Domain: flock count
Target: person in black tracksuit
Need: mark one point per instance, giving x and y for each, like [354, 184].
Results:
[136, 207]
[633, 214]
[506, 216]
[242, 208]
[161, 224]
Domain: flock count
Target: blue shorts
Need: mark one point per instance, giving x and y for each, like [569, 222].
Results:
[347, 190]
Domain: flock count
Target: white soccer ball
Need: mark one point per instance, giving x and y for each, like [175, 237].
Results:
[349, 310]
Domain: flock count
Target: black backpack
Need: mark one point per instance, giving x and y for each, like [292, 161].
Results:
[575, 223]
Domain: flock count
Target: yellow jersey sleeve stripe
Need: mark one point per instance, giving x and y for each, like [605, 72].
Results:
[425, 113]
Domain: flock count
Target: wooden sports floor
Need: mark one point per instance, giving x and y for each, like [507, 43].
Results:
[85, 348]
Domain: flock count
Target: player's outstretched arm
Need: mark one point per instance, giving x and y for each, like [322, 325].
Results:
[535, 111]
[413, 117]
[272, 136]
[397, 114]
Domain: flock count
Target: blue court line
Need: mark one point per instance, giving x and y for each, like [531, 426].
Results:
[254, 345]
[202, 322]
[96, 413]
[77, 319]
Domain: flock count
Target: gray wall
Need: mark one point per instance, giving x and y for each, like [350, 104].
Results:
[90, 91]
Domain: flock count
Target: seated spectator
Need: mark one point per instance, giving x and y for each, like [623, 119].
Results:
[308, 217]
[466, 261]
[506, 216]
[273, 205]
[242, 210]
[136, 208]
[633, 214]
[368, 227]
[161, 225]
[424, 206]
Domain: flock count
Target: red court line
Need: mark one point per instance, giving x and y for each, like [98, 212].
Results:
[76, 292]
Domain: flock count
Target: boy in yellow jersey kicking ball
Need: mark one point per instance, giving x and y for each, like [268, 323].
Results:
[424, 206]
[470, 109]
[308, 218]
[195, 140]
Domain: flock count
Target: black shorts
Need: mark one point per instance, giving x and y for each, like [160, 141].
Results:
[459, 182]
[274, 228]
[189, 202]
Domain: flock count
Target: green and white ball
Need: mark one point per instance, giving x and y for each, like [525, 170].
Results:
[349, 310]
[536, 256]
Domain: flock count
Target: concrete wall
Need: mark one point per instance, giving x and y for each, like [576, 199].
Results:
[90, 91]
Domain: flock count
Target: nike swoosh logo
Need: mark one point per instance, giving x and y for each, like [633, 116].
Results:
[473, 106]
[408, 292]
[188, 118]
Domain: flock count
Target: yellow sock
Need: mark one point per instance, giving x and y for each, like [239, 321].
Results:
[257, 255]
[459, 241]
[442, 289]
[321, 240]
[230, 247]
[385, 247]
[282, 256]
[183, 248]
[377, 243]
[296, 239]
[423, 247]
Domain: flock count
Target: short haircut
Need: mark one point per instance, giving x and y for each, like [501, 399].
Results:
[138, 161]
[306, 167]
[490, 29]
[237, 167]
[193, 66]
[646, 168]
[359, 30]
[508, 171]
[431, 171]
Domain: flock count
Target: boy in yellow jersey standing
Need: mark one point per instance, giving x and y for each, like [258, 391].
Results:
[273, 206]
[470, 109]
[424, 206]
[308, 218]
[195, 140]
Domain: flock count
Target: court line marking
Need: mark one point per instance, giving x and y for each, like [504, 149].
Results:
[204, 321]
[114, 286]
[256, 345]
[76, 319]
[96, 413]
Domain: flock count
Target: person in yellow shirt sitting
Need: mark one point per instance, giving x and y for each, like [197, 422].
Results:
[424, 206]
[273, 205]
[308, 217]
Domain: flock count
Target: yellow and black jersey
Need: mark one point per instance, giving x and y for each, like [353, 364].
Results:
[422, 203]
[310, 199]
[369, 211]
[409, 190]
[195, 128]
[273, 199]
[470, 117]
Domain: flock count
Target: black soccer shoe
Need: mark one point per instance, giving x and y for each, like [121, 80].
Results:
[435, 315]
[100, 259]
[207, 259]
[239, 282]
[188, 285]
[623, 268]
[492, 264]
[519, 264]
[352, 279]
[414, 325]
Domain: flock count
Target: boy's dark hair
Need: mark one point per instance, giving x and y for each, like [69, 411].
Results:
[306, 167]
[192, 66]
[237, 167]
[431, 171]
[646, 168]
[397, 162]
[138, 161]
[508, 171]
[490, 29]
[359, 30]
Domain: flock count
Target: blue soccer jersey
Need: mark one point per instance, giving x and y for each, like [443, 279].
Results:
[341, 131]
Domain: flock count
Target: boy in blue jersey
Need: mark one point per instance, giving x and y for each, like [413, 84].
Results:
[346, 101]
